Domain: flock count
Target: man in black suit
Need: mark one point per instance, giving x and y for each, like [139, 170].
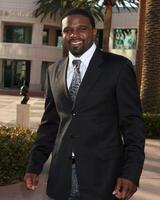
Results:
[93, 127]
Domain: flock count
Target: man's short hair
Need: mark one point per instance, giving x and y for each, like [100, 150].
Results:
[80, 11]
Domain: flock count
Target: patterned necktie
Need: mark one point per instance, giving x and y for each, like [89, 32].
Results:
[76, 79]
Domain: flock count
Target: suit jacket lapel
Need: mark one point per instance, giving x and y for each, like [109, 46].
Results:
[90, 77]
[61, 81]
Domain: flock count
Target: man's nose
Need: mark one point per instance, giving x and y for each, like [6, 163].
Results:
[74, 33]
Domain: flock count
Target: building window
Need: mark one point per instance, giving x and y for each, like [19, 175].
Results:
[124, 38]
[59, 40]
[17, 34]
[52, 36]
[45, 36]
[15, 73]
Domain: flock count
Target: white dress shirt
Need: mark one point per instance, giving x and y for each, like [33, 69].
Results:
[85, 60]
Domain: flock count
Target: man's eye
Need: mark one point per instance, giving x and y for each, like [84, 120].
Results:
[83, 28]
[66, 31]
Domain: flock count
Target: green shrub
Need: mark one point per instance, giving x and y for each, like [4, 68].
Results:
[152, 123]
[15, 147]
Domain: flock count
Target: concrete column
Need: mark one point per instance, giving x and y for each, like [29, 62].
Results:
[37, 34]
[35, 79]
[23, 115]
[52, 37]
[1, 31]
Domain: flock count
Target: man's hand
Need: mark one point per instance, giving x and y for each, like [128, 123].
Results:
[31, 181]
[124, 189]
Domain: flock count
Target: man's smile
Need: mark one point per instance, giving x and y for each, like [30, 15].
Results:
[76, 42]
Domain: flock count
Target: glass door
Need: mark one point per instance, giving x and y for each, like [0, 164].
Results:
[16, 73]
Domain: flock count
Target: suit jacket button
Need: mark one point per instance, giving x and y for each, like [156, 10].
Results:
[72, 136]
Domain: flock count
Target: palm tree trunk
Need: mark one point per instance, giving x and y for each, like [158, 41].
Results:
[150, 89]
[107, 26]
[140, 41]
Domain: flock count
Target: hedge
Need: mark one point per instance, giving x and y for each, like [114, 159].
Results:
[15, 147]
[152, 124]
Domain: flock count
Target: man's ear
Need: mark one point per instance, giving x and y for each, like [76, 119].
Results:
[94, 33]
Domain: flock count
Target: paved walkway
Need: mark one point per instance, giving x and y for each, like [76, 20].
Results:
[150, 180]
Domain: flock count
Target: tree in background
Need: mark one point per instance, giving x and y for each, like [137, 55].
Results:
[53, 7]
[150, 86]
[140, 41]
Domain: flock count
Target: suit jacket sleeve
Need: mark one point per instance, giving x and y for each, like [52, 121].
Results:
[46, 133]
[131, 123]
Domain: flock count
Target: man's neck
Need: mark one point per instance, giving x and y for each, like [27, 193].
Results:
[91, 49]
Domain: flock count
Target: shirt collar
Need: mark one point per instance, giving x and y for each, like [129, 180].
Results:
[85, 57]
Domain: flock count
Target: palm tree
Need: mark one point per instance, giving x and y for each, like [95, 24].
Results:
[140, 41]
[150, 89]
[52, 7]
[109, 4]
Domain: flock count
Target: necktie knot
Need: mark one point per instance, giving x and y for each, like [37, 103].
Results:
[76, 64]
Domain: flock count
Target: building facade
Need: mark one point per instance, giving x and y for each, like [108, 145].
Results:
[28, 46]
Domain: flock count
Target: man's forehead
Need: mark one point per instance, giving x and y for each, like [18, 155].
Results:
[75, 20]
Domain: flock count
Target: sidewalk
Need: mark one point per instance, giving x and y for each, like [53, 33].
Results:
[150, 180]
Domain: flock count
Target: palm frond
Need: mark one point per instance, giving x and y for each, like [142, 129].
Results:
[126, 4]
[51, 7]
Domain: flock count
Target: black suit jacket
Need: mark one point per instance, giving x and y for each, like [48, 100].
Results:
[104, 128]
